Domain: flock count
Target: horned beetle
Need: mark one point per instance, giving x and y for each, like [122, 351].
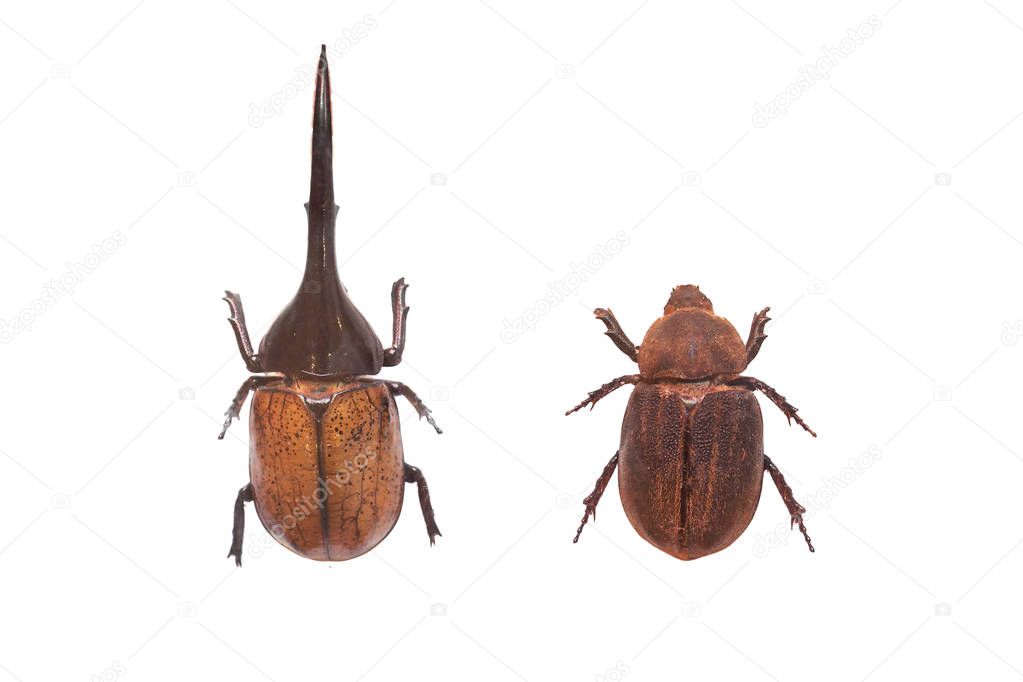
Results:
[326, 466]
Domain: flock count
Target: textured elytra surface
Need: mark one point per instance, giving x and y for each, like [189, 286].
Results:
[691, 344]
[691, 466]
[326, 465]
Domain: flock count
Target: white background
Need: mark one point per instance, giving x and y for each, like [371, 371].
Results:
[895, 301]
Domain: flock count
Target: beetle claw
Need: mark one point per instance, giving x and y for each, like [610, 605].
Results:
[428, 415]
[429, 418]
[421, 409]
[778, 399]
[227, 424]
[414, 475]
[616, 333]
[246, 494]
[604, 390]
[796, 510]
[591, 500]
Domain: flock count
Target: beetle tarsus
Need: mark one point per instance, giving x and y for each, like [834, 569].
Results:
[796, 510]
[238, 533]
[241, 332]
[777, 398]
[392, 356]
[616, 333]
[756, 334]
[593, 498]
[604, 390]
[414, 475]
[234, 411]
[410, 395]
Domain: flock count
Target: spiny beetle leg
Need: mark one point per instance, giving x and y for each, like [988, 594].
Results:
[414, 475]
[410, 395]
[775, 397]
[616, 333]
[235, 410]
[756, 334]
[604, 390]
[593, 498]
[796, 510]
[241, 332]
[238, 533]
[392, 356]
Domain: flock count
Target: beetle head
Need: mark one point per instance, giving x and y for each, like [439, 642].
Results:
[321, 332]
[690, 342]
[687, 296]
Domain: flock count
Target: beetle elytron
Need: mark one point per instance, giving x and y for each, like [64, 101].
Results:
[691, 460]
[326, 466]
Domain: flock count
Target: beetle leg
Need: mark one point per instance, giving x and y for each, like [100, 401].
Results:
[775, 397]
[241, 332]
[244, 495]
[607, 388]
[616, 333]
[593, 498]
[410, 395]
[392, 356]
[234, 411]
[414, 475]
[796, 510]
[756, 334]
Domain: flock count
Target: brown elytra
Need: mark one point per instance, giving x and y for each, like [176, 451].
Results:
[686, 494]
[691, 459]
[326, 466]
